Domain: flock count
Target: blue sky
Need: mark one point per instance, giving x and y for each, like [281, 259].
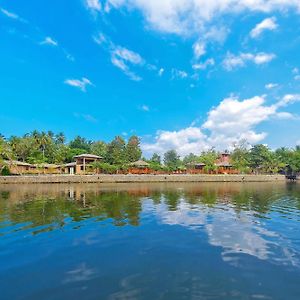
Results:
[182, 74]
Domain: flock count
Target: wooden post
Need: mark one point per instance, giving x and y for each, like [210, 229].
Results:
[84, 165]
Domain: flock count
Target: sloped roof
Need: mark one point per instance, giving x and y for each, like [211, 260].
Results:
[198, 164]
[224, 164]
[88, 156]
[48, 166]
[18, 163]
[139, 163]
[71, 164]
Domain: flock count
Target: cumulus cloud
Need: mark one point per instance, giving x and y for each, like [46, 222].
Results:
[231, 121]
[49, 41]
[232, 61]
[187, 140]
[189, 16]
[266, 24]
[79, 83]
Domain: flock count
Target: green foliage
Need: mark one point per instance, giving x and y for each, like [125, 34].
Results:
[47, 147]
[80, 143]
[209, 159]
[155, 159]
[116, 151]
[191, 158]
[240, 157]
[105, 167]
[99, 148]
[133, 150]
[4, 171]
[172, 160]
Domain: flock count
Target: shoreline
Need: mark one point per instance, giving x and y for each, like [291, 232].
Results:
[104, 178]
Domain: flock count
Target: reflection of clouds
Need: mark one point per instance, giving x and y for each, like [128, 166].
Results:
[184, 215]
[128, 289]
[237, 233]
[80, 273]
[236, 236]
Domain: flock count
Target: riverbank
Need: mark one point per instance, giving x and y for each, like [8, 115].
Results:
[103, 178]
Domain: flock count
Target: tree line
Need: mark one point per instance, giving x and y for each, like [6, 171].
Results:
[47, 147]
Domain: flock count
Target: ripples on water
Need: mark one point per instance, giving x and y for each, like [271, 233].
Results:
[150, 241]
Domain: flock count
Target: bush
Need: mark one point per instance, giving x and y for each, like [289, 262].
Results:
[5, 171]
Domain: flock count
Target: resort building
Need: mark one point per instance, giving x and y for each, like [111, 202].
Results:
[139, 167]
[195, 168]
[19, 168]
[83, 163]
[224, 165]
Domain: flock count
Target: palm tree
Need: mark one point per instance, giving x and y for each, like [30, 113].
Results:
[60, 138]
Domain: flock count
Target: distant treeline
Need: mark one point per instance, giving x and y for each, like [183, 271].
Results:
[46, 147]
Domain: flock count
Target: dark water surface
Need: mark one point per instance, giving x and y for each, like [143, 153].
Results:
[150, 241]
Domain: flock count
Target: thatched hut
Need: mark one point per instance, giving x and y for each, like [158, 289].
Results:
[139, 167]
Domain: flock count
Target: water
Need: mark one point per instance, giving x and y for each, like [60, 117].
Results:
[150, 241]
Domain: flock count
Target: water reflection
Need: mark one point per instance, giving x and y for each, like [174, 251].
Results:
[231, 215]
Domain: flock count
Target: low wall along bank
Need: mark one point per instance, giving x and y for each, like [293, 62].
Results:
[137, 178]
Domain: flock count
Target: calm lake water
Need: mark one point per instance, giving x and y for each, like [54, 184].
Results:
[150, 241]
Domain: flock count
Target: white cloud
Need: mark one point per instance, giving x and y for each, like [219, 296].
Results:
[145, 107]
[229, 122]
[122, 57]
[187, 140]
[204, 65]
[199, 49]
[211, 35]
[49, 41]
[99, 38]
[86, 117]
[79, 83]
[9, 14]
[232, 61]
[266, 24]
[12, 15]
[161, 71]
[288, 99]
[187, 17]
[93, 5]
[271, 86]
[179, 74]
[298, 143]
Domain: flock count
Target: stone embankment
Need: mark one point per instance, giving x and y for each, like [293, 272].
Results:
[102, 178]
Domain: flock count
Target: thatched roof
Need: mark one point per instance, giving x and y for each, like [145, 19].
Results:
[196, 164]
[140, 164]
[224, 164]
[88, 156]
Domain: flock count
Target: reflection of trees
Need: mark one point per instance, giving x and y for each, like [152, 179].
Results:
[172, 199]
[121, 207]
[51, 205]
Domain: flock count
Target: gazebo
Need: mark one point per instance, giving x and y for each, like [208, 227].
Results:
[195, 167]
[139, 167]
